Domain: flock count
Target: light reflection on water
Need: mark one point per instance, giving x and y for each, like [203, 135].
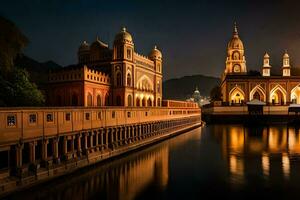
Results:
[218, 160]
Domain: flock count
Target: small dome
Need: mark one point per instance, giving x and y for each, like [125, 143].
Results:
[123, 35]
[286, 55]
[266, 55]
[155, 53]
[99, 43]
[235, 42]
[196, 91]
[84, 46]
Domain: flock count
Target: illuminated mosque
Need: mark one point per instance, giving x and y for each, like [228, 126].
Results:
[239, 86]
[109, 77]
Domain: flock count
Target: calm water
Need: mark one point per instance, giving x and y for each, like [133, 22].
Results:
[225, 161]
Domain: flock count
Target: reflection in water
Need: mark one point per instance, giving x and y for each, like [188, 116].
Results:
[225, 160]
[123, 178]
[245, 148]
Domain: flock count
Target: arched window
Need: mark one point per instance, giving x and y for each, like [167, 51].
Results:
[128, 79]
[149, 102]
[138, 101]
[129, 100]
[74, 100]
[98, 100]
[89, 99]
[119, 79]
[118, 101]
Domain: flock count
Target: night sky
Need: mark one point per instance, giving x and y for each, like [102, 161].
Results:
[192, 35]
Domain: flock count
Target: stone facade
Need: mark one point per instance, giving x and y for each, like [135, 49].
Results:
[109, 77]
[239, 86]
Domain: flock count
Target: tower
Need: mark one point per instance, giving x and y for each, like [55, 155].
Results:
[84, 53]
[266, 65]
[123, 69]
[286, 68]
[235, 61]
[156, 56]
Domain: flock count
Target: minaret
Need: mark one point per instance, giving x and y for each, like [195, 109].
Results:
[266, 65]
[235, 61]
[286, 68]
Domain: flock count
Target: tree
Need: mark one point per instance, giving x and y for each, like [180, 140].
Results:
[15, 86]
[12, 41]
[216, 94]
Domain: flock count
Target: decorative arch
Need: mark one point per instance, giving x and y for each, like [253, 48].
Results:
[295, 94]
[145, 83]
[236, 95]
[144, 102]
[99, 100]
[118, 79]
[89, 99]
[129, 100]
[258, 93]
[149, 102]
[278, 95]
[138, 101]
[128, 79]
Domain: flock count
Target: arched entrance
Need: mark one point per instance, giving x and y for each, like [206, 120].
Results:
[258, 93]
[278, 95]
[144, 102]
[129, 100]
[138, 102]
[149, 102]
[89, 99]
[236, 96]
[295, 95]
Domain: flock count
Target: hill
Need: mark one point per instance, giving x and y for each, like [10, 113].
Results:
[182, 88]
[38, 70]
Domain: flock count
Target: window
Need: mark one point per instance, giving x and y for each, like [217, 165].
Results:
[128, 79]
[68, 116]
[32, 118]
[11, 120]
[158, 86]
[128, 114]
[119, 80]
[49, 117]
[128, 53]
[87, 116]
[113, 114]
[99, 115]
[146, 113]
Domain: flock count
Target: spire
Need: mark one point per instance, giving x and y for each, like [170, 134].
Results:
[235, 30]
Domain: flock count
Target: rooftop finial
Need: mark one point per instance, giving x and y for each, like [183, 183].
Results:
[155, 47]
[235, 31]
[124, 29]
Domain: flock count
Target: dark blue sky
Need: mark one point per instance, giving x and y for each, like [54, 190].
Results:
[191, 34]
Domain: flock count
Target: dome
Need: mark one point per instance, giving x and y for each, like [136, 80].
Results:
[235, 42]
[99, 43]
[84, 46]
[123, 35]
[155, 53]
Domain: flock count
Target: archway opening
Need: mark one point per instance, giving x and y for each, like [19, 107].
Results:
[89, 99]
[149, 102]
[144, 102]
[295, 95]
[237, 96]
[98, 100]
[129, 100]
[138, 101]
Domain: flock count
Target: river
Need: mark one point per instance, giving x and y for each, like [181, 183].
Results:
[212, 161]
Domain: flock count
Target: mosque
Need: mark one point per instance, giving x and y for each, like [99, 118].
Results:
[104, 76]
[239, 86]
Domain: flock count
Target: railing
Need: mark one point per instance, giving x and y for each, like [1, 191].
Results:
[27, 123]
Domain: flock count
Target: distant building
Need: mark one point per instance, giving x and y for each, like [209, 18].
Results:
[238, 86]
[196, 97]
[109, 77]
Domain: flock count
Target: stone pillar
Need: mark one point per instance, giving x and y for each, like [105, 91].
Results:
[102, 139]
[85, 148]
[97, 140]
[19, 148]
[55, 150]
[106, 138]
[44, 150]
[79, 145]
[32, 152]
[65, 146]
[91, 141]
[140, 131]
